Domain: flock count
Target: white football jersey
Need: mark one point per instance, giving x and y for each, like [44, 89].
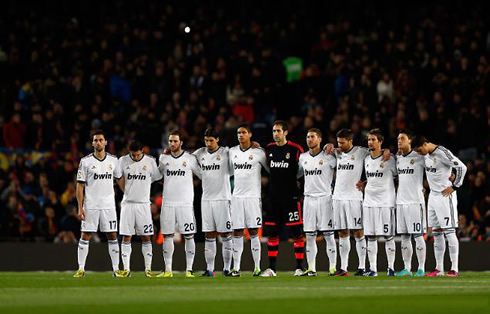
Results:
[438, 167]
[138, 177]
[318, 172]
[178, 184]
[410, 168]
[349, 170]
[215, 172]
[380, 186]
[246, 168]
[98, 176]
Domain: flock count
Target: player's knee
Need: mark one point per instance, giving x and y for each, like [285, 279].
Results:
[111, 236]
[389, 238]
[225, 235]
[310, 235]
[171, 235]
[253, 232]
[357, 233]
[238, 233]
[406, 237]
[328, 233]
[86, 236]
[188, 236]
[449, 231]
[211, 235]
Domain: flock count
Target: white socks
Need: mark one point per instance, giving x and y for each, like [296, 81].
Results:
[190, 251]
[361, 251]
[372, 252]
[82, 253]
[331, 248]
[439, 250]
[420, 250]
[237, 251]
[407, 251]
[210, 253]
[227, 251]
[255, 247]
[168, 252]
[390, 252]
[344, 249]
[113, 246]
[147, 251]
[453, 243]
[126, 254]
[311, 250]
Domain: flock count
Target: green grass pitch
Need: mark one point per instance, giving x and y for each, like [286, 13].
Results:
[58, 292]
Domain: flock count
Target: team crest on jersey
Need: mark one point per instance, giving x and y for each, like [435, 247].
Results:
[352, 157]
[184, 164]
[79, 175]
[412, 161]
[236, 157]
[128, 167]
[382, 165]
[93, 167]
[320, 162]
[218, 157]
[144, 167]
[250, 157]
[288, 155]
[110, 167]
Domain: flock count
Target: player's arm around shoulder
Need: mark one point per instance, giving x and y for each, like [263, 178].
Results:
[260, 152]
[195, 167]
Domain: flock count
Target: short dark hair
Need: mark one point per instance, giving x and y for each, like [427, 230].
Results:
[210, 132]
[98, 132]
[419, 141]
[282, 123]
[245, 126]
[407, 132]
[377, 132]
[175, 132]
[345, 133]
[316, 130]
[135, 146]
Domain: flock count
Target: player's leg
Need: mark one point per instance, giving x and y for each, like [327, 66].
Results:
[89, 225]
[355, 224]
[187, 226]
[167, 224]
[144, 229]
[450, 233]
[420, 249]
[224, 227]
[325, 214]
[436, 221]
[294, 220]
[82, 253]
[406, 245]
[256, 249]
[127, 226]
[108, 224]
[253, 221]
[209, 229]
[272, 230]
[388, 225]
[310, 223]
[238, 223]
[340, 224]
[210, 252]
[372, 252]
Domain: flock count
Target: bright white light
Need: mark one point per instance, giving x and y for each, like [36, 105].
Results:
[187, 29]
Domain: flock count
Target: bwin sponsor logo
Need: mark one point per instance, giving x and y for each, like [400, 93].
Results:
[103, 176]
[177, 173]
[313, 172]
[280, 164]
[374, 174]
[136, 176]
[431, 169]
[210, 167]
[405, 171]
[242, 166]
[345, 167]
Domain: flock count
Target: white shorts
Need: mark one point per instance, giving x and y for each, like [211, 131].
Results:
[135, 219]
[178, 219]
[216, 216]
[317, 213]
[246, 213]
[347, 215]
[105, 219]
[378, 221]
[411, 219]
[443, 211]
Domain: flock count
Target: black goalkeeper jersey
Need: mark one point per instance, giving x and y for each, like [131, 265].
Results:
[283, 165]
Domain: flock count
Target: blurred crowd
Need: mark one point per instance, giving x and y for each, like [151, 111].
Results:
[140, 69]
